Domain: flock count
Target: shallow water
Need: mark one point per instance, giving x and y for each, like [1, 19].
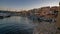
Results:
[16, 25]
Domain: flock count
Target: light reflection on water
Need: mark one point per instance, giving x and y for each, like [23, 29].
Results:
[16, 25]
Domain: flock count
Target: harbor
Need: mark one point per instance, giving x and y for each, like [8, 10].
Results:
[42, 20]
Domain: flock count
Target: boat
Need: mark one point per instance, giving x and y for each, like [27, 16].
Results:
[4, 15]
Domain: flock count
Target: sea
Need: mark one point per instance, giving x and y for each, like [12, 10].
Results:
[16, 25]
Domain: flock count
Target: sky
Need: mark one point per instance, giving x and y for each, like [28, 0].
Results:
[26, 4]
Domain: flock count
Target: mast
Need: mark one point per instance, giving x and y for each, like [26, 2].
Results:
[59, 4]
[59, 7]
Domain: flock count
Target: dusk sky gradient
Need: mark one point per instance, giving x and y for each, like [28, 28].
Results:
[26, 4]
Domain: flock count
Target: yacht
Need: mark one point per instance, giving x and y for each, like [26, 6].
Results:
[4, 15]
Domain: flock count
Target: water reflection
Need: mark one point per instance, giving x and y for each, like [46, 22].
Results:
[16, 25]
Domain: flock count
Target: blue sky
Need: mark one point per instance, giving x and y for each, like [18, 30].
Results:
[26, 4]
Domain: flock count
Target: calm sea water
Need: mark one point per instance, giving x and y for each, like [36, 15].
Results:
[16, 25]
